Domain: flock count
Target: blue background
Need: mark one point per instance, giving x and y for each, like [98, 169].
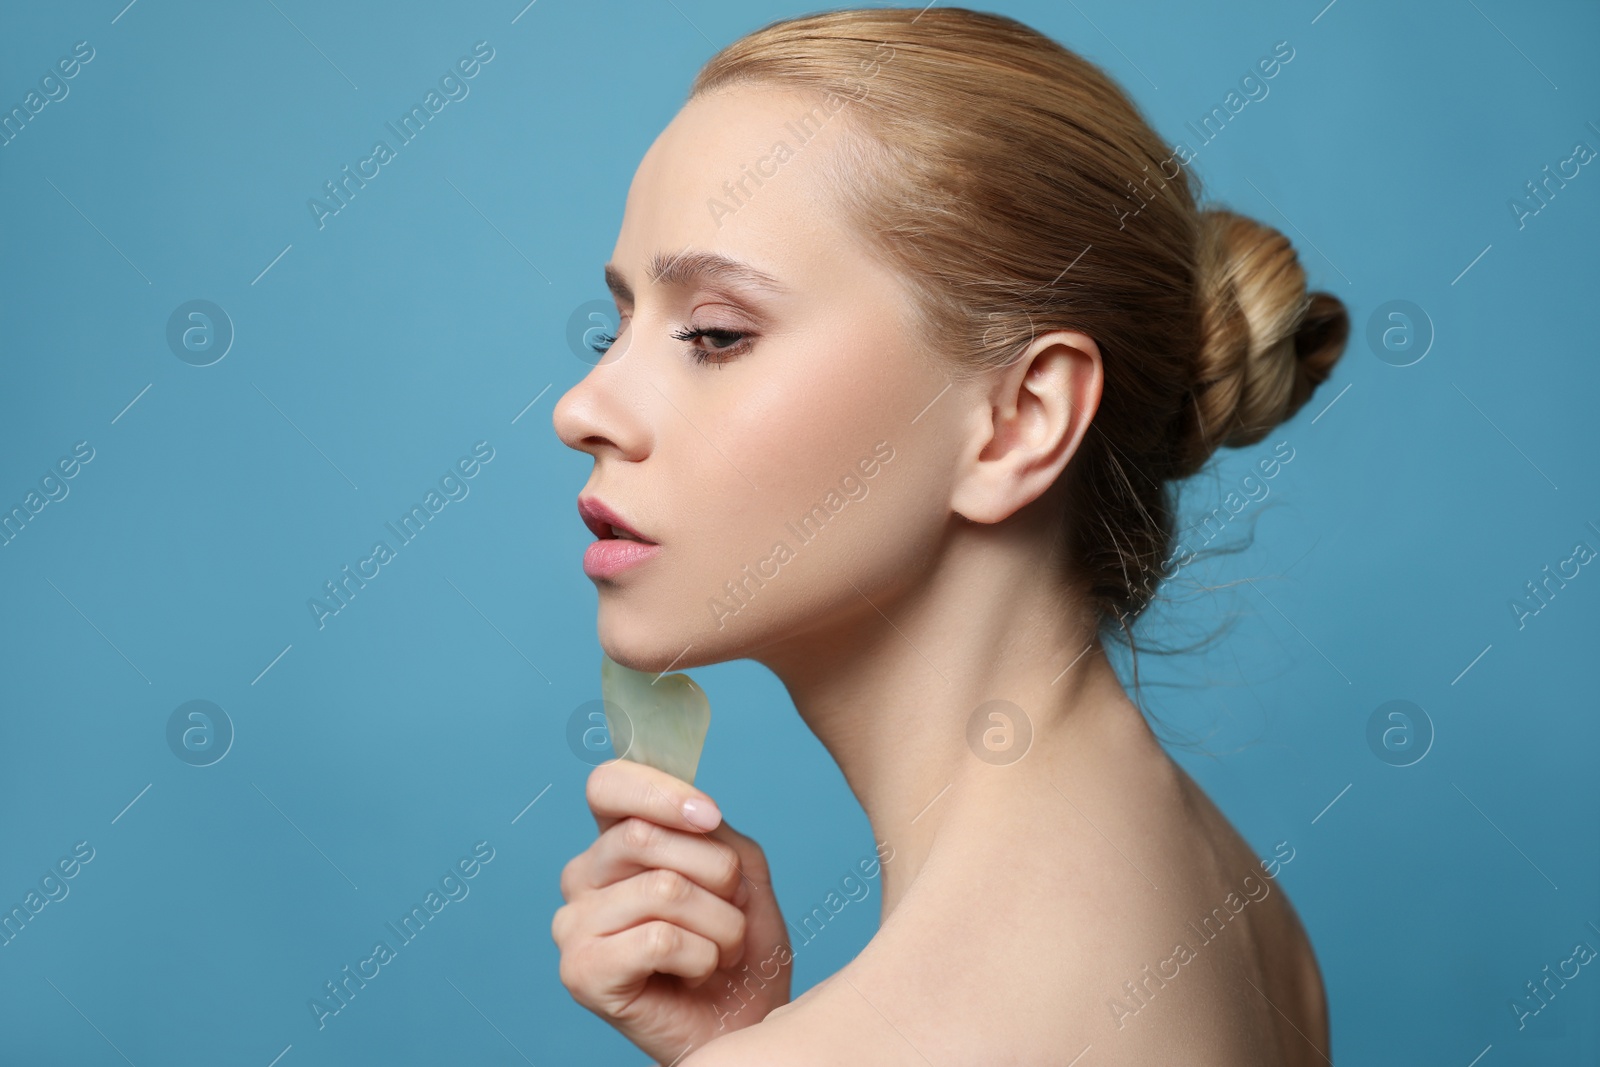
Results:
[432, 313]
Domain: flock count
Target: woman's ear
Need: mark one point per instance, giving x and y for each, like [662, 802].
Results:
[1036, 410]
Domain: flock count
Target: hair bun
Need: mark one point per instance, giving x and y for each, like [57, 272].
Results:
[1265, 342]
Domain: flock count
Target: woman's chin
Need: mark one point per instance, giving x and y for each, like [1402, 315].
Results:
[656, 644]
[643, 646]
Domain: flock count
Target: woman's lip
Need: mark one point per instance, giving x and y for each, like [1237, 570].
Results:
[611, 556]
[599, 519]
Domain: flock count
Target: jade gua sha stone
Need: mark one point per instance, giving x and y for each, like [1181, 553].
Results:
[662, 724]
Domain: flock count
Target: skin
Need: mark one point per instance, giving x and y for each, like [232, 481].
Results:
[1016, 898]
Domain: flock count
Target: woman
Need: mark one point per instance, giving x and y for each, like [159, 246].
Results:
[919, 325]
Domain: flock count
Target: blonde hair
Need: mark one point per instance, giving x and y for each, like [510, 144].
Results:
[994, 177]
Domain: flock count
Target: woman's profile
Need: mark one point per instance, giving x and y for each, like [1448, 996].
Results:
[920, 326]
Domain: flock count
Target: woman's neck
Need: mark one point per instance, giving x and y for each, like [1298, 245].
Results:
[893, 689]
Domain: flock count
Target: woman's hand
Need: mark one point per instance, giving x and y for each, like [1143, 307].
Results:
[670, 931]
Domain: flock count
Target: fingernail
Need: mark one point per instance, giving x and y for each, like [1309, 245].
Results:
[741, 896]
[702, 813]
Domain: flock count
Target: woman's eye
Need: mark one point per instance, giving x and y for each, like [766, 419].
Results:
[725, 345]
[601, 340]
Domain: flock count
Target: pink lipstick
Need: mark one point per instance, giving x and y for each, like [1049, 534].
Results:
[619, 545]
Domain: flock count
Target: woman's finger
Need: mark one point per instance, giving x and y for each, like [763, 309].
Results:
[606, 970]
[619, 788]
[635, 844]
[665, 894]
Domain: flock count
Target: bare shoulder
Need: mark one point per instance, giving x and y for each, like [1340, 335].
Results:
[1190, 944]
[831, 1023]
[766, 1044]
[1273, 953]
[1124, 933]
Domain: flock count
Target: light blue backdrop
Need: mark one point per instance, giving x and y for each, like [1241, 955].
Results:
[371, 353]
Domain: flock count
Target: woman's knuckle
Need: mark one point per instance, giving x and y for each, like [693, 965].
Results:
[569, 879]
[571, 971]
[664, 883]
[640, 835]
[565, 923]
[643, 795]
[661, 939]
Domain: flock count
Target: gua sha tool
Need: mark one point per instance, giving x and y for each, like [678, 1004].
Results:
[662, 721]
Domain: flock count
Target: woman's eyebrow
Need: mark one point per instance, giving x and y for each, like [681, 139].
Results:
[685, 267]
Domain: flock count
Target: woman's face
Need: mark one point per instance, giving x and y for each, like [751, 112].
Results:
[800, 470]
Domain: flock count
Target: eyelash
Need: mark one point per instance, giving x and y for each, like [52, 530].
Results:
[735, 348]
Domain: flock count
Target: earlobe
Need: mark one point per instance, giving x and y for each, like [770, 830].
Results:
[1038, 409]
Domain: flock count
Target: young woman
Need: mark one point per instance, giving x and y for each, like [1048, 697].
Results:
[919, 326]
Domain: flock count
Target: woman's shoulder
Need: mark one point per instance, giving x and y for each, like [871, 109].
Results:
[1071, 1002]
[1142, 931]
[1272, 953]
[812, 1030]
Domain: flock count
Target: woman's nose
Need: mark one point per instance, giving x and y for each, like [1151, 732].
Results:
[602, 412]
